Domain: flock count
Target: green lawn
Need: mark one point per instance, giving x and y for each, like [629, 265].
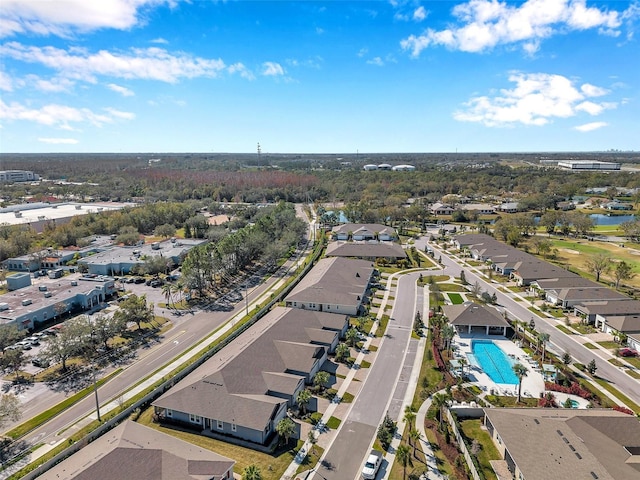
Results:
[471, 429]
[590, 346]
[456, 298]
[609, 344]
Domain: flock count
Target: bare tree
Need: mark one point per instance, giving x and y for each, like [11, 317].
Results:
[599, 264]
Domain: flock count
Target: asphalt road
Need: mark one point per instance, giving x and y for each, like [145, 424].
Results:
[559, 341]
[346, 454]
[188, 330]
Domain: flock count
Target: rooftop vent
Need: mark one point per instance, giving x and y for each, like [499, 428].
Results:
[47, 294]
[26, 301]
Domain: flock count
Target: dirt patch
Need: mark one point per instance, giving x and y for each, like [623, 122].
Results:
[570, 251]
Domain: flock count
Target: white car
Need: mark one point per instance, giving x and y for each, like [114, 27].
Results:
[372, 465]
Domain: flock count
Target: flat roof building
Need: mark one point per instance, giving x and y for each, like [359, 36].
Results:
[581, 165]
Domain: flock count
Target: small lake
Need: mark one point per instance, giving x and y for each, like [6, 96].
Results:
[602, 219]
[341, 216]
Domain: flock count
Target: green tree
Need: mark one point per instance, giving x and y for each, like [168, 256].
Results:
[251, 472]
[167, 290]
[9, 334]
[592, 367]
[409, 415]
[439, 400]
[302, 399]
[285, 428]
[342, 352]
[623, 271]
[543, 339]
[415, 436]
[13, 361]
[73, 340]
[599, 264]
[521, 371]
[566, 358]
[10, 410]
[104, 328]
[165, 230]
[403, 455]
[352, 337]
[135, 309]
[321, 379]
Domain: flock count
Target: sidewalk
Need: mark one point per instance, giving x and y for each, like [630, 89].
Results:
[318, 430]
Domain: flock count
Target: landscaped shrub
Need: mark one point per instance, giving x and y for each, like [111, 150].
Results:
[574, 389]
[618, 408]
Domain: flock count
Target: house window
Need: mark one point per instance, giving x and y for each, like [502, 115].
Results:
[328, 307]
[169, 412]
[195, 418]
[220, 424]
[233, 427]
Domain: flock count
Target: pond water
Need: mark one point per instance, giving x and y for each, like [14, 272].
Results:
[602, 219]
[341, 216]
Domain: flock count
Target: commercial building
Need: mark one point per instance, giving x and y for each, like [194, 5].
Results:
[582, 165]
[11, 176]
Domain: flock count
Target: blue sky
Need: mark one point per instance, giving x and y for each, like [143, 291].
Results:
[319, 77]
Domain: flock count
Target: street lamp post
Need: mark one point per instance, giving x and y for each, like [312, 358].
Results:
[95, 392]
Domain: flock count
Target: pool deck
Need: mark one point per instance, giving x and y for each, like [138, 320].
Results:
[532, 384]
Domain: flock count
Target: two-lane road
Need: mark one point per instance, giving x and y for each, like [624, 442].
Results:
[559, 341]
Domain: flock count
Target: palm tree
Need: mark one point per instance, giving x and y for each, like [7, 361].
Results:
[321, 379]
[167, 290]
[286, 428]
[352, 337]
[521, 371]
[409, 415]
[463, 362]
[251, 472]
[403, 454]
[439, 401]
[447, 333]
[544, 338]
[303, 398]
[342, 352]
[415, 436]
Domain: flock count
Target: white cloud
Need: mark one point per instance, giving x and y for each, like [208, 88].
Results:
[420, 14]
[376, 61]
[124, 91]
[536, 99]
[60, 116]
[593, 91]
[160, 40]
[139, 63]
[54, 18]
[272, 69]
[242, 70]
[59, 141]
[362, 52]
[485, 24]
[589, 127]
[319, 30]
[6, 84]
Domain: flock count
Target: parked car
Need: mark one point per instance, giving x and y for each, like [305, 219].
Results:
[372, 465]
[40, 362]
[138, 280]
[628, 352]
[156, 283]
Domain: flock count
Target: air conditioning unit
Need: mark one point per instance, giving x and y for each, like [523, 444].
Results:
[26, 302]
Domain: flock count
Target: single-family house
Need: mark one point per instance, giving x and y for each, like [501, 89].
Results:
[469, 318]
[479, 208]
[366, 250]
[565, 206]
[131, 450]
[441, 209]
[335, 285]
[540, 444]
[527, 271]
[617, 324]
[364, 231]
[248, 395]
[617, 206]
[569, 297]
[508, 207]
[597, 312]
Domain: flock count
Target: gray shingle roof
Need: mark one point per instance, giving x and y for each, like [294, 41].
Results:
[131, 450]
[362, 250]
[334, 281]
[566, 443]
[474, 314]
[238, 392]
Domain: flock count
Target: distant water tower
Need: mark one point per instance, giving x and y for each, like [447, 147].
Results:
[259, 152]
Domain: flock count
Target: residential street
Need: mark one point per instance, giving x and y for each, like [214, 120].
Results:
[383, 390]
[559, 341]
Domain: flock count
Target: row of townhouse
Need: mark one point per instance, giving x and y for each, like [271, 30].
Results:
[244, 399]
[610, 311]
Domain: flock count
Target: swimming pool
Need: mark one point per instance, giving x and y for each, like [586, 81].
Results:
[494, 362]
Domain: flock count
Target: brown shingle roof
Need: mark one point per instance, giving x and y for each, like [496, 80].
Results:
[474, 314]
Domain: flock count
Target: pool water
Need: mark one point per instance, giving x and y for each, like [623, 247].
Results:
[494, 362]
